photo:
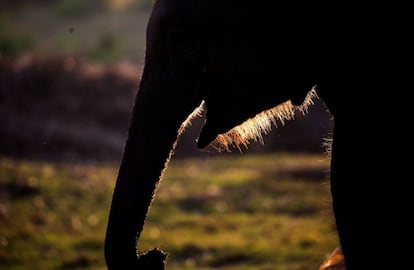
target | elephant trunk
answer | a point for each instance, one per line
(152, 136)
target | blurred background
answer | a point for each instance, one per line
(69, 73)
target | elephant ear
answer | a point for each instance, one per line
(247, 70)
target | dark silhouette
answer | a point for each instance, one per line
(243, 58)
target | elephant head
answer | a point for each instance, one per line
(247, 62)
(234, 61)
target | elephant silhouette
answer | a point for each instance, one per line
(260, 63)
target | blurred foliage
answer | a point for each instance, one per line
(145, 4)
(108, 49)
(101, 30)
(126, 4)
(71, 7)
(75, 7)
(62, 108)
(250, 212)
(14, 42)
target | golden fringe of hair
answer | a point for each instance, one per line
(196, 113)
(327, 145)
(254, 128)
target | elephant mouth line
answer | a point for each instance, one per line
(254, 128)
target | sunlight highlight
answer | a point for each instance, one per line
(254, 128)
(120, 4)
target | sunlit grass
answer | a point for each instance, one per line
(233, 212)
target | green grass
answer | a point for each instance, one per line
(14, 42)
(99, 31)
(230, 212)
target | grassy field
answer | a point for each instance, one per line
(228, 212)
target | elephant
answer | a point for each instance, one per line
(244, 62)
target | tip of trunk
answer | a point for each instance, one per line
(153, 259)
